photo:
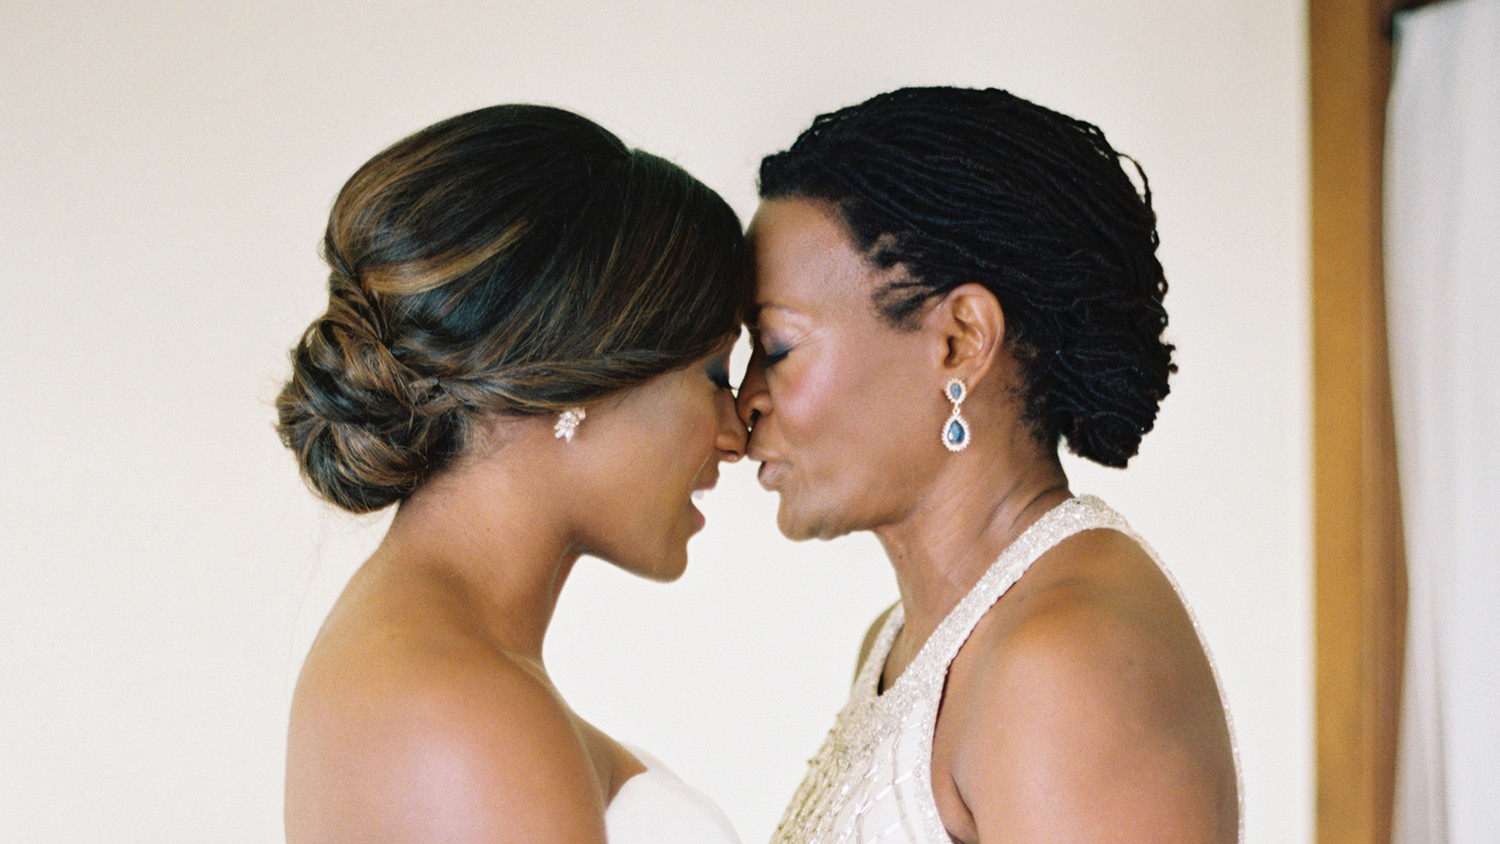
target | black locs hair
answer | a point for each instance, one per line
(958, 185)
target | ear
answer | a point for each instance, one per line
(971, 325)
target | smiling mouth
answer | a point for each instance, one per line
(702, 489)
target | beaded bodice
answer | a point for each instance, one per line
(871, 783)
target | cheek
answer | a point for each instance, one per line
(662, 459)
(860, 427)
(811, 406)
(849, 410)
(691, 441)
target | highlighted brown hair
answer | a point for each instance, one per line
(517, 259)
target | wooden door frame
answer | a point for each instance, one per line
(1360, 574)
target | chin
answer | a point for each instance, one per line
(800, 527)
(673, 564)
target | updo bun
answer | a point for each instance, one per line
(956, 186)
(517, 259)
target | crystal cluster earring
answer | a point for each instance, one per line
(567, 423)
(956, 429)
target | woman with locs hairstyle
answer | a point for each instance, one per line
(949, 283)
(525, 351)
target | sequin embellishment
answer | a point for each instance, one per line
(871, 783)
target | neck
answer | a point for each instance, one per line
(491, 546)
(978, 506)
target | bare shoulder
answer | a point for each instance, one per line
(403, 737)
(1085, 702)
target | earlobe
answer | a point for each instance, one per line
(567, 423)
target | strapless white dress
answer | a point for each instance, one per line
(657, 807)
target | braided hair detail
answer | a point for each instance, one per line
(954, 186)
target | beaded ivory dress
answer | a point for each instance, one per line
(872, 781)
(656, 807)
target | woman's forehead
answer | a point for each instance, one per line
(805, 260)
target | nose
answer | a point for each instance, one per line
(753, 400)
(732, 432)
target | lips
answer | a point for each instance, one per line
(699, 491)
(766, 475)
(703, 486)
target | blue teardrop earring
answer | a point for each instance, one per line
(956, 429)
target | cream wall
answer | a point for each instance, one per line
(166, 172)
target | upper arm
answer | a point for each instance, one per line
(471, 755)
(1087, 726)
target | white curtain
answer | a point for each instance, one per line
(1442, 240)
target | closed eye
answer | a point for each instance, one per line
(771, 353)
(718, 373)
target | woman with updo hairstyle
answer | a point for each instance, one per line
(949, 284)
(525, 351)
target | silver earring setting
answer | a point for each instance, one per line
(567, 423)
(956, 430)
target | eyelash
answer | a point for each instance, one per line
(718, 372)
(770, 357)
